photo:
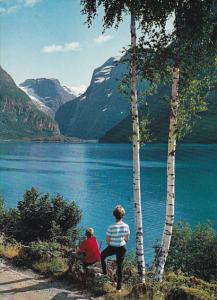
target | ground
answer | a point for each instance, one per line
(17, 284)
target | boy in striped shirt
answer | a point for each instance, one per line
(117, 236)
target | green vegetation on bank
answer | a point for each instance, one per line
(40, 232)
(41, 217)
(43, 230)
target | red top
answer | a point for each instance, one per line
(91, 249)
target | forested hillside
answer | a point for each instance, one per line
(18, 116)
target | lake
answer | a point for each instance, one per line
(99, 176)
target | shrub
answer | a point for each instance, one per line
(2, 211)
(53, 267)
(194, 252)
(42, 250)
(130, 272)
(41, 217)
(9, 251)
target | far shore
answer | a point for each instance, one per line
(50, 139)
(61, 139)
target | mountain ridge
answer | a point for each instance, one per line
(99, 108)
(47, 93)
(204, 129)
(19, 117)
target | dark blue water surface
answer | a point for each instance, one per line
(99, 176)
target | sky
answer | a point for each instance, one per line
(48, 38)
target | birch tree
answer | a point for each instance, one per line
(193, 40)
(136, 154)
(113, 15)
(185, 48)
(171, 154)
(184, 35)
(146, 14)
(187, 51)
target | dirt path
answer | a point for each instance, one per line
(26, 285)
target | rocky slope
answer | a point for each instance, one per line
(101, 107)
(47, 94)
(19, 117)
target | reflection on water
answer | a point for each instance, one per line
(99, 176)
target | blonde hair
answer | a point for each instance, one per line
(89, 232)
(118, 212)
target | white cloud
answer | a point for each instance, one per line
(31, 2)
(8, 10)
(103, 38)
(73, 46)
(52, 48)
(10, 6)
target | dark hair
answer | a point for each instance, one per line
(119, 212)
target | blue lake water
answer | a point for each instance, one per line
(99, 176)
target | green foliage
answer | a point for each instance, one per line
(42, 250)
(144, 126)
(190, 44)
(174, 287)
(2, 211)
(194, 252)
(42, 217)
(55, 266)
(18, 116)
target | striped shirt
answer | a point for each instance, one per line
(116, 232)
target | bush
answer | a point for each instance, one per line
(41, 250)
(53, 267)
(9, 251)
(41, 217)
(130, 272)
(194, 252)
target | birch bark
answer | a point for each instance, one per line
(136, 155)
(168, 227)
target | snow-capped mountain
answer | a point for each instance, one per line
(37, 101)
(18, 116)
(100, 108)
(75, 90)
(47, 94)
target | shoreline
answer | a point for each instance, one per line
(73, 140)
(54, 139)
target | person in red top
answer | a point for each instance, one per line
(89, 248)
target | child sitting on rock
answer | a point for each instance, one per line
(89, 248)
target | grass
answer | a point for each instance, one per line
(9, 251)
(173, 286)
(55, 266)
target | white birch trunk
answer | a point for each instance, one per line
(168, 227)
(136, 158)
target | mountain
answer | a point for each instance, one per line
(47, 94)
(101, 107)
(75, 90)
(19, 117)
(203, 131)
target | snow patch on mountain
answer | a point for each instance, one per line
(83, 98)
(117, 58)
(36, 100)
(99, 79)
(75, 90)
